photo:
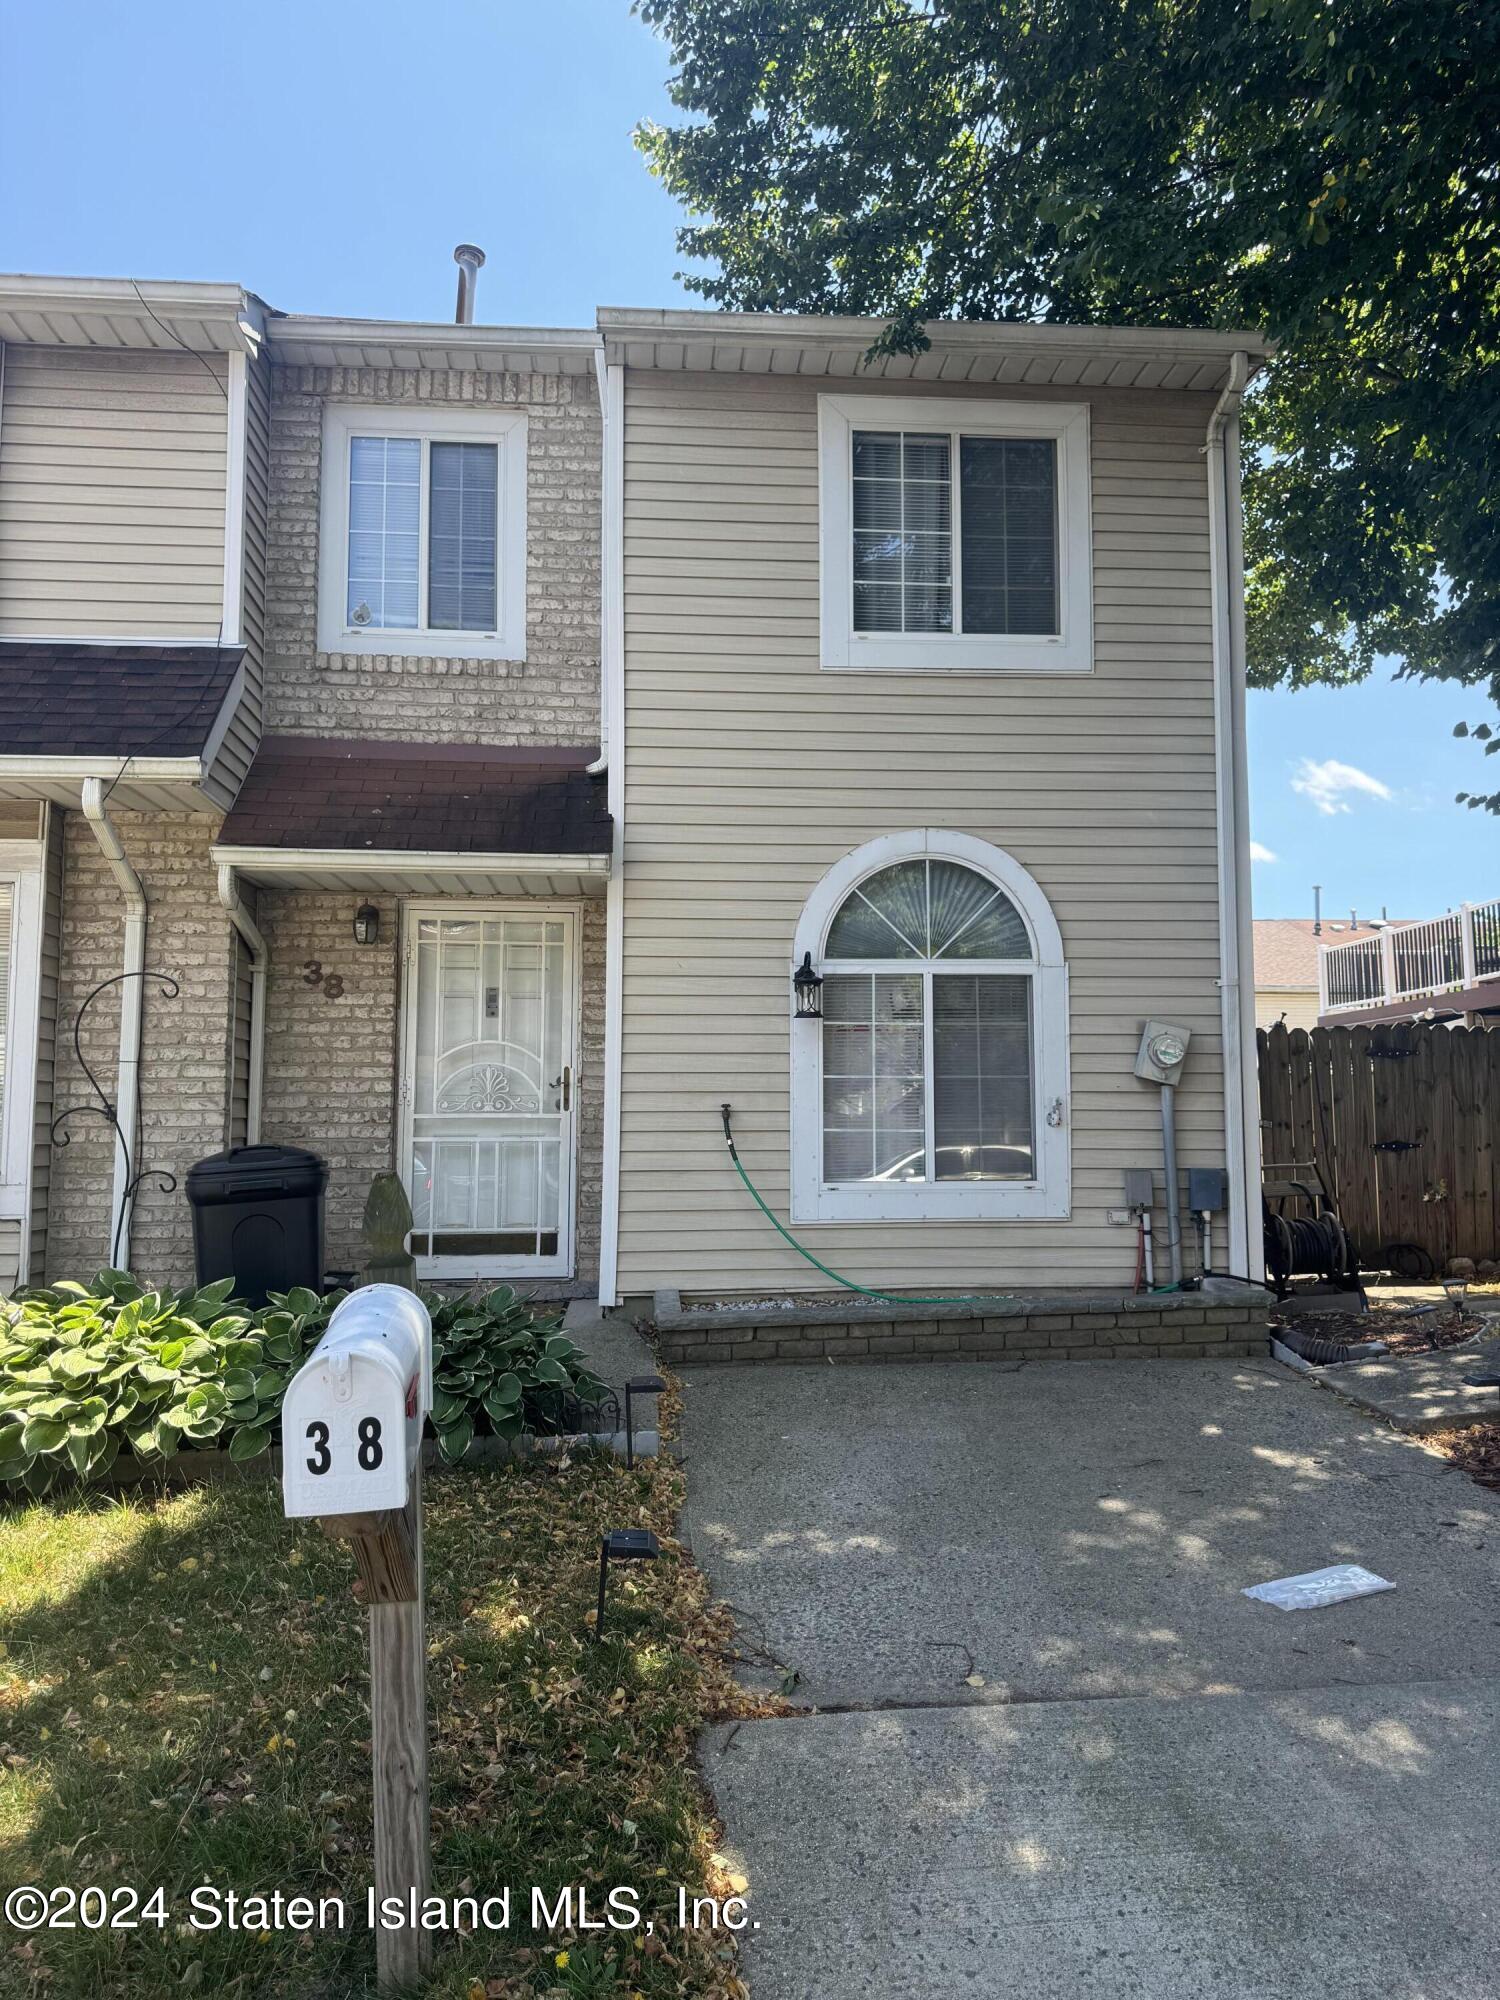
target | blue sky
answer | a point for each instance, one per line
(329, 155)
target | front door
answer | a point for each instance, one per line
(487, 1090)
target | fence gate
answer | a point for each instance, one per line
(1401, 1123)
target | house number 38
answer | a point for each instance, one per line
(371, 1451)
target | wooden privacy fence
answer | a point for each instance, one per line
(1400, 1121)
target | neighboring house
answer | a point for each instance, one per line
(1286, 971)
(479, 726)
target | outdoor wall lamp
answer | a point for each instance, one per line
(807, 989)
(622, 1545)
(367, 924)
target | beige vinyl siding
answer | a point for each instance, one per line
(112, 469)
(239, 1043)
(232, 758)
(1292, 1004)
(749, 772)
(47, 1026)
(10, 1255)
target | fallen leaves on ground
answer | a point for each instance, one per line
(219, 1654)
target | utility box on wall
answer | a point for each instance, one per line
(258, 1218)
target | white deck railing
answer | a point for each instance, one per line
(1418, 961)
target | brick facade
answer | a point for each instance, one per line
(550, 697)
(331, 1062)
(184, 1047)
(1172, 1326)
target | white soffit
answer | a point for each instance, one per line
(112, 313)
(564, 877)
(301, 340)
(1013, 353)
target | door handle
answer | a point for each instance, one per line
(566, 1081)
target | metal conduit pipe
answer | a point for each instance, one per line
(132, 988)
(1174, 1196)
(260, 965)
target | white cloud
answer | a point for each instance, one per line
(1329, 784)
(1259, 853)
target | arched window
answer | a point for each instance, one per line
(936, 1082)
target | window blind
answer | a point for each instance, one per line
(462, 515)
(385, 513)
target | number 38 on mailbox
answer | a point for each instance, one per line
(351, 1421)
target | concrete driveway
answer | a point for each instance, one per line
(1055, 1751)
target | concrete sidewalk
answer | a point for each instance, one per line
(1331, 1846)
(1066, 1756)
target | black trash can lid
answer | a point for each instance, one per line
(255, 1170)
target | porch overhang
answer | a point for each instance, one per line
(420, 819)
(146, 719)
(403, 872)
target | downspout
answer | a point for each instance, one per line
(612, 736)
(601, 375)
(260, 963)
(132, 987)
(1237, 1018)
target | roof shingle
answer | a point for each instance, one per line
(436, 798)
(118, 701)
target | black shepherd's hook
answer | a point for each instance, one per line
(106, 1110)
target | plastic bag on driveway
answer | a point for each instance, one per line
(1317, 1587)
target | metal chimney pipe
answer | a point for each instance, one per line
(1317, 909)
(470, 261)
(1353, 921)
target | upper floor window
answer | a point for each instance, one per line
(423, 532)
(955, 535)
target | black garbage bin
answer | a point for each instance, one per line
(258, 1218)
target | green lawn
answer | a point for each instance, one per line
(183, 1700)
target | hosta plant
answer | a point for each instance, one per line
(87, 1371)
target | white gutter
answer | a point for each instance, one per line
(132, 984)
(1236, 951)
(608, 512)
(612, 644)
(260, 964)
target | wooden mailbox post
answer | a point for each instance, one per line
(351, 1428)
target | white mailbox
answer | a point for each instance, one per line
(351, 1421)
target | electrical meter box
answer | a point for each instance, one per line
(352, 1417)
(1162, 1053)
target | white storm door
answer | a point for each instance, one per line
(489, 1090)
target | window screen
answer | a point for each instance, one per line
(981, 1077)
(1008, 529)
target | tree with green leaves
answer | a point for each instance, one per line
(1327, 171)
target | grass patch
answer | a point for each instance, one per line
(184, 1699)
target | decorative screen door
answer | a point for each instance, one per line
(488, 1089)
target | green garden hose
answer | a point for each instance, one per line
(865, 1291)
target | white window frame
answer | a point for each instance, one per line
(21, 870)
(433, 425)
(1070, 651)
(1049, 1193)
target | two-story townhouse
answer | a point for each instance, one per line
(132, 542)
(923, 677)
(931, 679)
(299, 678)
